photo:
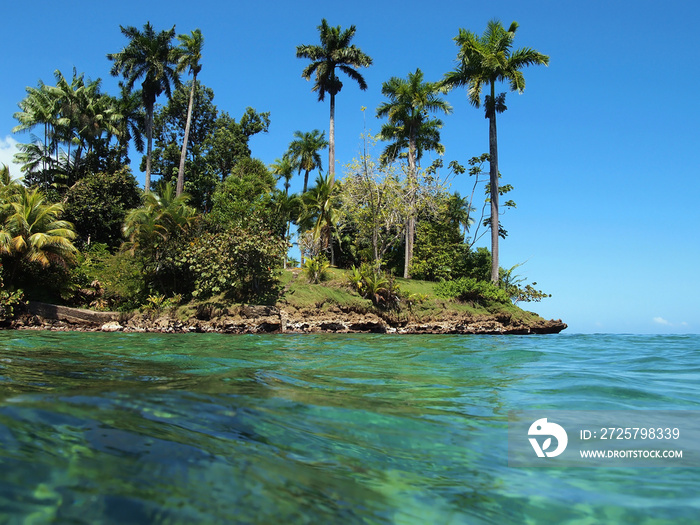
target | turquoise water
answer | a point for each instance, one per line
(144, 428)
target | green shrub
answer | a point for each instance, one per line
(467, 289)
(241, 262)
(316, 269)
(105, 280)
(376, 285)
(9, 299)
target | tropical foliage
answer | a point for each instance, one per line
(304, 153)
(241, 263)
(151, 58)
(32, 233)
(190, 57)
(214, 221)
(409, 127)
(335, 54)
(482, 61)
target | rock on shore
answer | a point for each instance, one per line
(249, 319)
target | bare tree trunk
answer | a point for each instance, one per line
(331, 143)
(149, 137)
(493, 156)
(181, 171)
(306, 180)
(411, 224)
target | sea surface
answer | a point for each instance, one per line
(211, 428)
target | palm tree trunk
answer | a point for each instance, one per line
(411, 224)
(331, 143)
(493, 162)
(149, 146)
(181, 172)
(306, 180)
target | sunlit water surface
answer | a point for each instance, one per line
(144, 428)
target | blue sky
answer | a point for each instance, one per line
(602, 148)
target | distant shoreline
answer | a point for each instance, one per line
(253, 319)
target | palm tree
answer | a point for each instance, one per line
(483, 61)
(85, 114)
(319, 212)
(407, 109)
(284, 169)
(191, 46)
(39, 107)
(334, 52)
(33, 232)
(304, 152)
(152, 57)
(285, 204)
(133, 120)
(162, 217)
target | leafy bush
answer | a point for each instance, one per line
(439, 253)
(105, 280)
(242, 262)
(158, 302)
(374, 284)
(467, 289)
(9, 299)
(98, 203)
(513, 285)
(316, 269)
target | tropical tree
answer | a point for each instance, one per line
(85, 115)
(285, 205)
(33, 232)
(228, 143)
(410, 101)
(483, 61)
(373, 202)
(191, 46)
(38, 108)
(98, 203)
(149, 56)
(79, 122)
(334, 52)
(320, 212)
(283, 169)
(162, 217)
(133, 122)
(304, 152)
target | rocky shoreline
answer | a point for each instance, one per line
(250, 319)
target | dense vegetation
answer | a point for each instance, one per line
(213, 221)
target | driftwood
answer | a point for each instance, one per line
(78, 316)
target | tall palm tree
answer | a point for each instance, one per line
(191, 46)
(334, 52)
(483, 61)
(304, 152)
(39, 107)
(410, 101)
(285, 204)
(32, 231)
(85, 115)
(319, 212)
(149, 56)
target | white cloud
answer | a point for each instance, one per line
(8, 148)
(666, 322)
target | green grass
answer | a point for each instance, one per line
(425, 305)
(295, 292)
